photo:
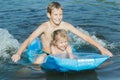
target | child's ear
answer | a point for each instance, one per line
(48, 15)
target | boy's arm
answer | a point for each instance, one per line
(16, 56)
(89, 39)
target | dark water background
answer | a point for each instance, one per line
(98, 18)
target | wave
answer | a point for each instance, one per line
(8, 44)
(79, 43)
(75, 40)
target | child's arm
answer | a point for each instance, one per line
(69, 51)
(53, 51)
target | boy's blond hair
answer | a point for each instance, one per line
(53, 5)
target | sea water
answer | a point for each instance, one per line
(96, 18)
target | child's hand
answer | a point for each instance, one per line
(15, 57)
(106, 52)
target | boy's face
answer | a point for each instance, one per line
(62, 43)
(56, 16)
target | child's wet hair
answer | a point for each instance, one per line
(59, 33)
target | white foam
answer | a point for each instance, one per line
(8, 45)
(75, 40)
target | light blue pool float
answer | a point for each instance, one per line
(84, 61)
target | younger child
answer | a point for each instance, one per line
(60, 44)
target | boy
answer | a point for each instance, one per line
(55, 15)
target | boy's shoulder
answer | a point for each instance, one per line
(44, 24)
(66, 23)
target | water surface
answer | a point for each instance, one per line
(97, 18)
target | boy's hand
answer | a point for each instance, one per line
(15, 57)
(106, 52)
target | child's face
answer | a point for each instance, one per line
(56, 16)
(62, 43)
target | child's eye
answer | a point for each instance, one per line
(55, 14)
(65, 41)
(60, 14)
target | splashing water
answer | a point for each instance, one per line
(8, 45)
(78, 42)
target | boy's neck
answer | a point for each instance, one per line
(53, 25)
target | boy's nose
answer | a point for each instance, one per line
(58, 16)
